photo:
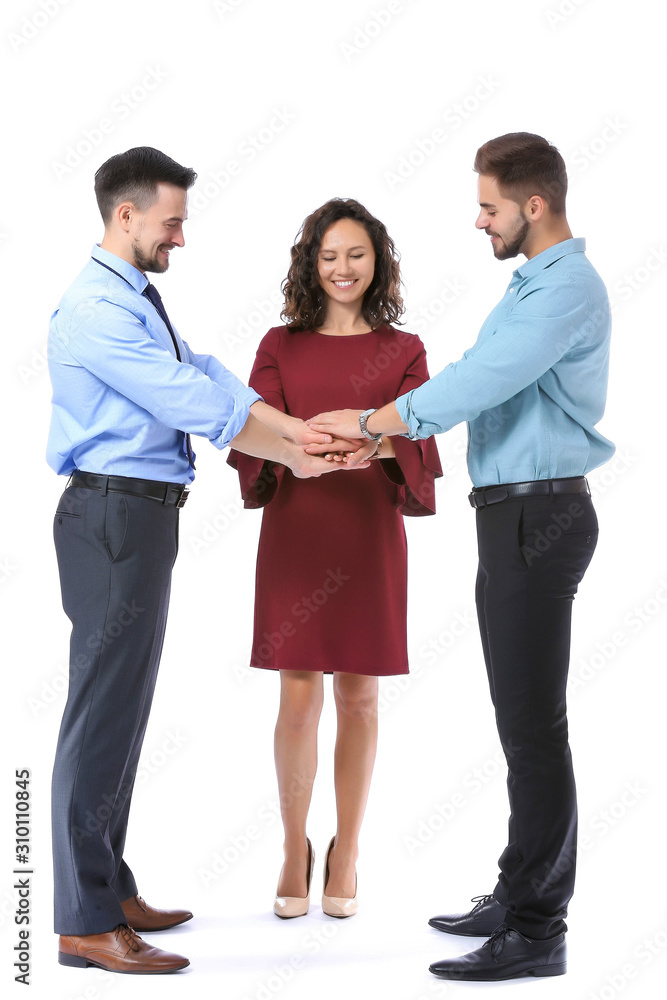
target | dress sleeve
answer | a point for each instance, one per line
(260, 479)
(417, 463)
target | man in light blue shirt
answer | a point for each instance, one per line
(127, 394)
(532, 389)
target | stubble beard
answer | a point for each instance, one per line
(512, 244)
(145, 263)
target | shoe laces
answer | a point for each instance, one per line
(128, 934)
(496, 942)
(480, 900)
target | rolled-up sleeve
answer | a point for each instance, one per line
(543, 325)
(119, 351)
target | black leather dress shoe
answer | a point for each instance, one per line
(506, 955)
(480, 922)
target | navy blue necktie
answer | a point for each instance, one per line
(151, 292)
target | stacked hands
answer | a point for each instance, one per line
(332, 437)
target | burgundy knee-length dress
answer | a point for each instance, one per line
(331, 581)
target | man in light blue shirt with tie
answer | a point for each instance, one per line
(128, 393)
(531, 389)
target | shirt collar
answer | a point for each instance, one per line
(548, 256)
(131, 274)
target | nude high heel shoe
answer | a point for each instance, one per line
(337, 906)
(296, 906)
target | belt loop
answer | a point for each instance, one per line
(105, 488)
(167, 487)
(551, 491)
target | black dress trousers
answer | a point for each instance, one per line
(115, 557)
(533, 553)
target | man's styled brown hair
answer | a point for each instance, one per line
(134, 176)
(524, 164)
(305, 305)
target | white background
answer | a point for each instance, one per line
(362, 86)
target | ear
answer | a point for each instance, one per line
(124, 215)
(535, 208)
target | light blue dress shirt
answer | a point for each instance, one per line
(122, 402)
(534, 385)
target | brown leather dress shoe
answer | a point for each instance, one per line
(143, 917)
(121, 950)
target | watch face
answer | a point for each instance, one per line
(363, 417)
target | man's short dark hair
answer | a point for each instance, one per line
(524, 164)
(134, 176)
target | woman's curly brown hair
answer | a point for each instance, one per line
(305, 305)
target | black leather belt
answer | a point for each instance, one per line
(483, 496)
(169, 494)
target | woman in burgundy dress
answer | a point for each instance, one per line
(332, 557)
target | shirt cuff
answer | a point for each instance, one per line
(242, 402)
(416, 429)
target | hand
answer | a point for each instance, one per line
(300, 433)
(305, 466)
(313, 466)
(359, 459)
(334, 446)
(352, 453)
(341, 423)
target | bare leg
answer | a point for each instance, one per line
(301, 699)
(356, 743)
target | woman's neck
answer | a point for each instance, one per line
(343, 321)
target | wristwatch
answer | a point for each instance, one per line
(363, 417)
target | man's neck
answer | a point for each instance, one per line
(548, 238)
(118, 249)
